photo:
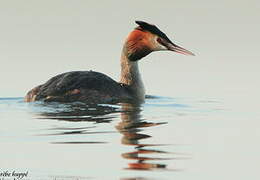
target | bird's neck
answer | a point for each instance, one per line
(130, 76)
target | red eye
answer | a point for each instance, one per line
(159, 40)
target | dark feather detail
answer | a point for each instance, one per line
(84, 86)
(153, 29)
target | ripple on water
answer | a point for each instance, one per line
(131, 128)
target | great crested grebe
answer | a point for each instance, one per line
(95, 87)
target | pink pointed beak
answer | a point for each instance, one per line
(178, 49)
(173, 47)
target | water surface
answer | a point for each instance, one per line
(164, 138)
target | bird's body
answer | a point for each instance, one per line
(95, 87)
(84, 86)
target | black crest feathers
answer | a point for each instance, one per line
(153, 29)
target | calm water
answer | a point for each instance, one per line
(164, 138)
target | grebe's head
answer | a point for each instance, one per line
(147, 38)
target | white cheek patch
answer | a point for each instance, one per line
(161, 47)
(157, 45)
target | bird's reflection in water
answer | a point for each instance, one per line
(73, 112)
(131, 126)
(78, 112)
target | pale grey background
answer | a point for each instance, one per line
(40, 39)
